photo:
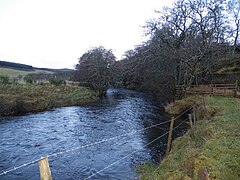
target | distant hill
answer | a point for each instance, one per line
(18, 70)
(55, 70)
(17, 66)
(24, 67)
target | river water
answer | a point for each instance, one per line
(29, 137)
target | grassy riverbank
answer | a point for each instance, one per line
(17, 99)
(208, 151)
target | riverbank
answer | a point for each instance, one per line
(19, 99)
(210, 150)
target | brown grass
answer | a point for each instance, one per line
(17, 99)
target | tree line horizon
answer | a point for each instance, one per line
(191, 38)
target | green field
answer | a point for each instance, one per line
(208, 151)
(12, 73)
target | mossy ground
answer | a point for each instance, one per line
(18, 99)
(211, 150)
(181, 105)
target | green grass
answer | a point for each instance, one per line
(18, 99)
(179, 106)
(211, 150)
(12, 73)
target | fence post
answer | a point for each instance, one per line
(194, 115)
(169, 137)
(191, 125)
(236, 86)
(190, 120)
(45, 173)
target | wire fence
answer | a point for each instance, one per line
(118, 161)
(96, 143)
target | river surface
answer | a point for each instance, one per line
(26, 138)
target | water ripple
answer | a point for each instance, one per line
(29, 137)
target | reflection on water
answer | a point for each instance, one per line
(30, 137)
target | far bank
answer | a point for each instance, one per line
(19, 99)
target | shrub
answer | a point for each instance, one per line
(29, 80)
(56, 81)
(4, 79)
(2, 106)
(19, 107)
(15, 81)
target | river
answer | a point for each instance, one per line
(29, 137)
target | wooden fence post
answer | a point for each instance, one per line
(191, 125)
(190, 120)
(170, 137)
(194, 115)
(212, 88)
(45, 173)
(236, 84)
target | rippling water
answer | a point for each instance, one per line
(26, 138)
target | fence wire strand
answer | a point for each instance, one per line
(91, 144)
(118, 161)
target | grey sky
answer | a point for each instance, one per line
(54, 33)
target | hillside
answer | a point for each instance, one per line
(17, 70)
(13, 73)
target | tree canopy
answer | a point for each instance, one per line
(188, 40)
(95, 69)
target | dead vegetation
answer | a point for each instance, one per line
(18, 99)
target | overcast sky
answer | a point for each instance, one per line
(54, 33)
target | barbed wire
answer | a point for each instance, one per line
(115, 137)
(21, 166)
(118, 161)
(88, 145)
(105, 140)
(173, 130)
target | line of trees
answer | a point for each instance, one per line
(191, 38)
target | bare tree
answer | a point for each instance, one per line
(193, 30)
(234, 9)
(95, 69)
(187, 40)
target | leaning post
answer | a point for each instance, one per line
(170, 136)
(45, 173)
(190, 120)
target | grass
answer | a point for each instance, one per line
(208, 151)
(231, 69)
(181, 105)
(12, 73)
(16, 99)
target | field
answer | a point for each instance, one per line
(12, 73)
(208, 151)
(18, 99)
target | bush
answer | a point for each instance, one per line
(19, 107)
(4, 79)
(56, 81)
(2, 106)
(29, 80)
